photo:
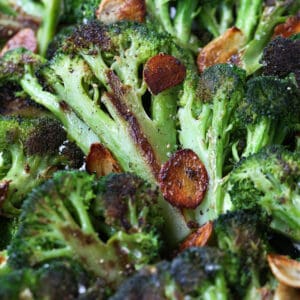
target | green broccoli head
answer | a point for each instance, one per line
(245, 233)
(128, 203)
(30, 154)
(197, 272)
(280, 58)
(269, 112)
(56, 223)
(58, 279)
(14, 63)
(221, 81)
(269, 180)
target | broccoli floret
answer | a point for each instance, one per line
(246, 234)
(30, 153)
(56, 223)
(61, 279)
(270, 110)
(127, 204)
(19, 67)
(77, 11)
(281, 57)
(206, 122)
(199, 273)
(270, 180)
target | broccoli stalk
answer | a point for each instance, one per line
(51, 12)
(270, 110)
(206, 123)
(56, 223)
(179, 25)
(270, 180)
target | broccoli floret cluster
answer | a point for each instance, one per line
(149, 149)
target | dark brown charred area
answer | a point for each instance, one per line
(122, 189)
(93, 33)
(76, 233)
(163, 71)
(46, 138)
(119, 92)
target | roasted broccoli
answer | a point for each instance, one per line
(97, 74)
(269, 180)
(29, 154)
(281, 57)
(206, 120)
(56, 223)
(245, 233)
(19, 67)
(60, 279)
(271, 109)
(197, 273)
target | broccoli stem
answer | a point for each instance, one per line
(161, 10)
(226, 17)
(185, 12)
(208, 20)
(254, 49)
(258, 136)
(217, 291)
(76, 129)
(247, 16)
(49, 22)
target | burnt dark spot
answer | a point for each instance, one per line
(64, 106)
(27, 168)
(76, 233)
(119, 92)
(46, 138)
(92, 34)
